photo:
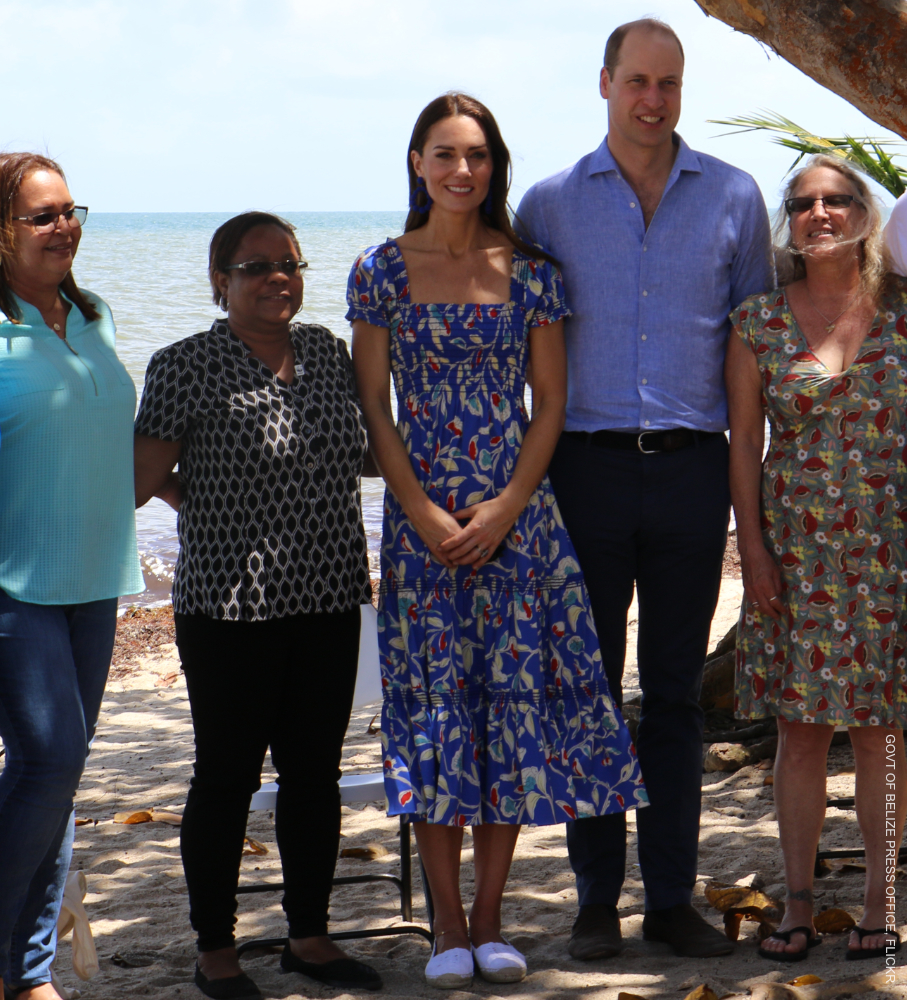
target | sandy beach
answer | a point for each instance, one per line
(138, 905)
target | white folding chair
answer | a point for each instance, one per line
(355, 788)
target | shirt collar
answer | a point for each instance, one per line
(603, 162)
(30, 316)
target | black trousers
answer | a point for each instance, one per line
(286, 683)
(659, 521)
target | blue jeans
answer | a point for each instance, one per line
(53, 666)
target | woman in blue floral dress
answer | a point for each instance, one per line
(496, 708)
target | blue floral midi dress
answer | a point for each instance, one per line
(496, 707)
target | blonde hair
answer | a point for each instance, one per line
(790, 260)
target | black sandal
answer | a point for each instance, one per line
(855, 955)
(785, 936)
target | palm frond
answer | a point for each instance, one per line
(868, 154)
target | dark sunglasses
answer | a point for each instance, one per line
(258, 268)
(46, 221)
(796, 205)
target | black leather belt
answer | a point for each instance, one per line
(647, 442)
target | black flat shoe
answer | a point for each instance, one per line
(853, 955)
(231, 988)
(785, 936)
(342, 973)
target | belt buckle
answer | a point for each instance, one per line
(646, 451)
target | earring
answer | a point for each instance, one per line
(489, 201)
(225, 306)
(420, 190)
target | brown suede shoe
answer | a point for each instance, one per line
(686, 931)
(596, 933)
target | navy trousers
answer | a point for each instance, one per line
(659, 521)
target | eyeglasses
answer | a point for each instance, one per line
(834, 201)
(258, 268)
(45, 222)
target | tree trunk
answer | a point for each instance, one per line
(855, 48)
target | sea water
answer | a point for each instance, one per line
(152, 270)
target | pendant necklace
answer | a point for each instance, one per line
(830, 323)
(57, 327)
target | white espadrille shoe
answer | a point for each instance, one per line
(500, 962)
(451, 970)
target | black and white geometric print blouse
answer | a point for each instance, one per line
(270, 523)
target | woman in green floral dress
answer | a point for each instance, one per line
(820, 527)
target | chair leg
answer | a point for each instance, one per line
(406, 872)
(429, 903)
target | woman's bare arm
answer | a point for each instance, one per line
(761, 574)
(154, 476)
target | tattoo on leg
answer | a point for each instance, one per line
(801, 895)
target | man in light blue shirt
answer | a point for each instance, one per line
(657, 244)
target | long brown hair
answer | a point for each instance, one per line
(14, 168)
(449, 106)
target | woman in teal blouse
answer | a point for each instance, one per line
(67, 548)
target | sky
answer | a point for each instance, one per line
(308, 105)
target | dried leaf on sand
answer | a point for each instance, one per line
(834, 921)
(162, 816)
(371, 852)
(146, 816)
(701, 993)
(251, 846)
(739, 903)
(734, 918)
(737, 897)
(141, 816)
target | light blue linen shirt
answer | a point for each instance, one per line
(67, 495)
(647, 337)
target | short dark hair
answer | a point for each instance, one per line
(14, 169)
(228, 236)
(616, 40)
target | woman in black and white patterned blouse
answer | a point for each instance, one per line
(261, 414)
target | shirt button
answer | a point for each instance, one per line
(645, 294)
(643, 337)
(310, 465)
(632, 204)
(647, 423)
(644, 249)
(645, 381)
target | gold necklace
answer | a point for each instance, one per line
(830, 323)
